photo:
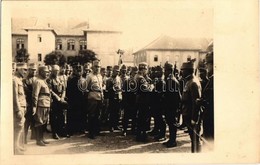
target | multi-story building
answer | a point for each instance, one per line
(174, 50)
(42, 36)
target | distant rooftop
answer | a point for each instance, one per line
(72, 26)
(165, 42)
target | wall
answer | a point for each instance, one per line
(105, 44)
(35, 47)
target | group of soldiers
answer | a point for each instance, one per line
(84, 99)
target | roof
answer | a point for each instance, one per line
(169, 43)
(72, 27)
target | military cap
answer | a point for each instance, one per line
(55, 67)
(209, 57)
(21, 65)
(97, 63)
(143, 65)
(129, 68)
(109, 68)
(103, 69)
(33, 66)
(168, 65)
(188, 65)
(123, 67)
(44, 68)
(116, 68)
(134, 69)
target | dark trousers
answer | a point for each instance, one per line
(94, 108)
(130, 112)
(74, 119)
(159, 123)
(29, 123)
(114, 107)
(57, 119)
(170, 117)
(143, 119)
(194, 132)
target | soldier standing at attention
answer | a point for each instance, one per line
(190, 110)
(28, 88)
(142, 101)
(171, 103)
(124, 77)
(41, 104)
(93, 85)
(114, 89)
(57, 119)
(19, 107)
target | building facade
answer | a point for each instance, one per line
(174, 50)
(42, 37)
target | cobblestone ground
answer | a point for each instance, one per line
(108, 143)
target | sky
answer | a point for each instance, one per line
(140, 22)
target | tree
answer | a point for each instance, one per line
(83, 57)
(55, 58)
(22, 55)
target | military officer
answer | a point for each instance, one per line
(203, 75)
(190, 110)
(28, 88)
(57, 118)
(171, 103)
(93, 85)
(19, 107)
(41, 97)
(114, 89)
(142, 101)
(157, 104)
(208, 101)
(130, 110)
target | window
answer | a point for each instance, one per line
(58, 44)
(39, 38)
(71, 44)
(19, 43)
(39, 57)
(155, 58)
(82, 45)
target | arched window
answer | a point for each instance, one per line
(71, 45)
(58, 44)
(82, 44)
(20, 43)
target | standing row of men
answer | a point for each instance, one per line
(88, 97)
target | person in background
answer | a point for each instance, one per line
(28, 88)
(19, 107)
(41, 97)
(190, 109)
(114, 89)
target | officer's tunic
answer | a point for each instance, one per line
(190, 110)
(41, 100)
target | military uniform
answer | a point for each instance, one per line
(114, 89)
(171, 104)
(28, 88)
(41, 97)
(57, 118)
(142, 101)
(129, 96)
(19, 109)
(93, 85)
(190, 110)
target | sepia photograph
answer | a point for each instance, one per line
(112, 80)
